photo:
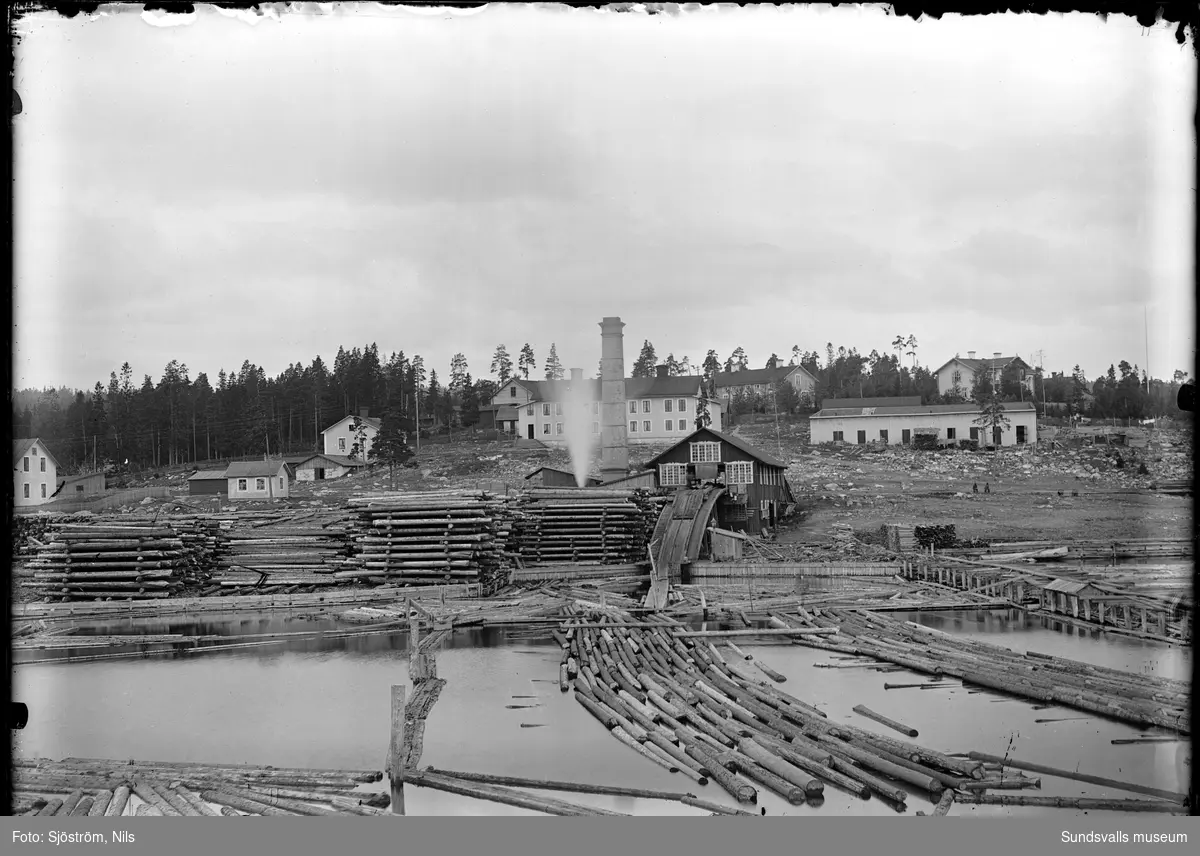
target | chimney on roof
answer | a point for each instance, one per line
(996, 354)
(614, 449)
(660, 371)
(576, 374)
(970, 355)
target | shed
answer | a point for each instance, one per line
(79, 486)
(554, 477)
(320, 467)
(208, 483)
(756, 490)
(644, 479)
(258, 480)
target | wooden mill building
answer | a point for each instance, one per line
(756, 492)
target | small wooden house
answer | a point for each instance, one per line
(322, 467)
(77, 487)
(258, 480)
(553, 477)
(208, 483)
(757, 493)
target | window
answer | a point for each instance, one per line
(645, 405)
(281, 482)
(260, 484)
(545, 427)
(79, 488)
(341, 446)
(595, 427)
(883, 434)
(739, 472)
(974, 433)
(43, 491)
(838, 437)
(512, 392)
(545, 409)
(42, 464)
(906, 436)
(683, 405)
(529, 410)
(241, 484)
(26, 464)
(633, 407)
(706, 452)
(633, 427)
(26, 490)
(950, 432)
(33, 451)
(667, 405)
(957, 377)
(862, 437)
(682, 425)
(1020, 433)
(669, 422)
(558, 427)
(672, 475)
(646, 426)
(595, 407)
(557, 409)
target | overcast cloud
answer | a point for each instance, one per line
(218, 191)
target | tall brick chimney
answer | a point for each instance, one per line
(614, 450)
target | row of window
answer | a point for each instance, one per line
(42, 461)
(736, 472)
(906, 435)
(27, 491)
(259, 484)
(670, 405)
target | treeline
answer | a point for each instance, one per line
(179, 419)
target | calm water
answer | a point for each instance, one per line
(325, 703)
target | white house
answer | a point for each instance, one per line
(960, 372)
(841, 421)
(657, 408)
(257, 480)
(321, 467)
(340, 439)
(35, 472)
(762, 381)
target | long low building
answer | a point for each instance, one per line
(849, 421)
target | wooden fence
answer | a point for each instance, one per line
(105, 502)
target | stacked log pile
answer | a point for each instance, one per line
(422, 538)
(938, 537)
(291, 555)
(587, 527)
(98, 560)
(103, 788)
(681, 704)
(1137, 698)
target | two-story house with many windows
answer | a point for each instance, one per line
(657, 408)
(958, 374)
(35, 472)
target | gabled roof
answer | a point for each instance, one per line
(736, 442)
(1066, 586)
(975, 365)
(746, 377)
(207, 475)
(889, 401)
(253, 469)
(369, 420)
(914, 410)
(21, 446)
(340, 460)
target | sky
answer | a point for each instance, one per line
(215, 188)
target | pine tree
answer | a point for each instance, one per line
(703, 420)
(711, 366)
(526, 361)
(502, 365)
(554, 369)
(458, 374)
(646, 361)
(391, 442)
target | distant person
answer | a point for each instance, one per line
(987, 488)
(975, 487)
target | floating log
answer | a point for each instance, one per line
(780, 767)
(1086, 804)
(495, 793)
(907, 731)
(245, 804)
(1168, 796)
(120, 800)
(889, 769)
(194, 801)
(146, 792)
(100, 804)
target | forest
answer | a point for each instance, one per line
(180, 419)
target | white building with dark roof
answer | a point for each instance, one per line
(339, 437)
(35, 472)
(960, 372)
(258, 480)
(843, 420)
